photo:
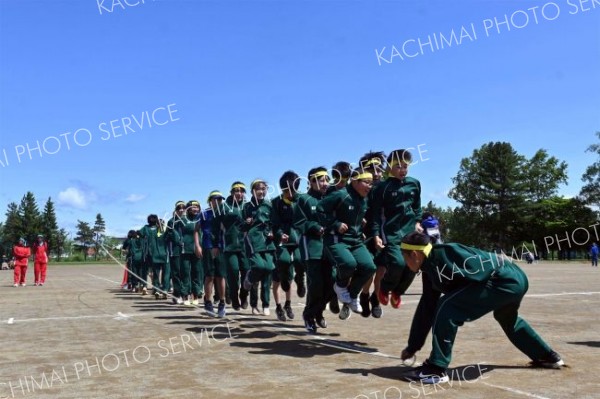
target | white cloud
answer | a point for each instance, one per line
(135, 197)
(72, 197)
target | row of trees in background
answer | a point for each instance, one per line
(510, 202)
(25, 220)
(507, 201)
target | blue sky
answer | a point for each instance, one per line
(248, 89)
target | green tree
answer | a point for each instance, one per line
(492, 185)
(84, 237)
(590, 192)
(50, 226)
(99, 229)
(12, 228)
(61, 243)
(30, 217)
(543, 175)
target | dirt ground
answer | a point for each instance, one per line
(80, 336)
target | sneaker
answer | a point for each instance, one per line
(383, 297)
(41, 284)
(244, 303)
(144, 291)
(342, 293)
(209, 308)
(280, 313)
(187, 302)
(227, 298)
(175, 300)
(301, 289)
(23, 284)
(221, 312)
(429, 374)
(355, 305)
(15, 285)
(376, 309)
(345, 312)
(164, 296)
(157, 295)
(35, 284)
(396, 300)
(309, 325)
(288, 311)
(179, 301)
(255, 311)
(266, 312)
(247, 283)
(334, 306)
(321, 322)
(195, 302)
(364, 303)
(551, 361)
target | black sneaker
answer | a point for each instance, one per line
(288, 310)
(334, 306)
(364, 304)
(428, 374)
(227, 297)
(244, 303)
(301, 288)
(321, 322)
(280, 313)
(376, 309)
(310, 325)
(550, 361)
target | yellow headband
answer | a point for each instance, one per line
(415, 247)
(363, 176)
(372, 161)
(239, 185)
(318, 174)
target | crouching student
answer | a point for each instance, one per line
(341, 213)
(474, 283)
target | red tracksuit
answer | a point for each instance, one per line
(41, 262)
(21, 259)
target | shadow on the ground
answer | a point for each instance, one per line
(291, 347)
(592, 344)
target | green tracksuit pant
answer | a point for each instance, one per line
(261, 268)
(501, 295)
(398, 277)
(354, 265)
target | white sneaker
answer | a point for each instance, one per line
(266, 312)
(23, 284)
(355, 305)
(179, 301)
(342, 293)
(195, 302)
(15, 285)
(255, 311)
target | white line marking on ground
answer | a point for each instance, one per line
(561, 294)
(513, 390)
(105, 279)
(11, 320)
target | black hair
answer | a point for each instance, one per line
(131, 234)
(152, 220)
(341, 171)
(401, 155)
(314, 171)
(371, 155)
(416, 238)
(289, 180)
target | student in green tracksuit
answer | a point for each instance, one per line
(192, 274)
(136, 249)
(174, 239)
(156, 256)
(374, 163)
(341, 214)
(395, 212)
(286, 237)
(260, 248)
(306, 221)
(227, 229)
(127, 247)
(473, 283)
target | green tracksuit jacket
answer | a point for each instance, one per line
(257, 232)
(227, 226)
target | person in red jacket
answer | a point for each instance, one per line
(22, 253)
(40, 252)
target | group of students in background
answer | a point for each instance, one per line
(357, 236)
(22, 252)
